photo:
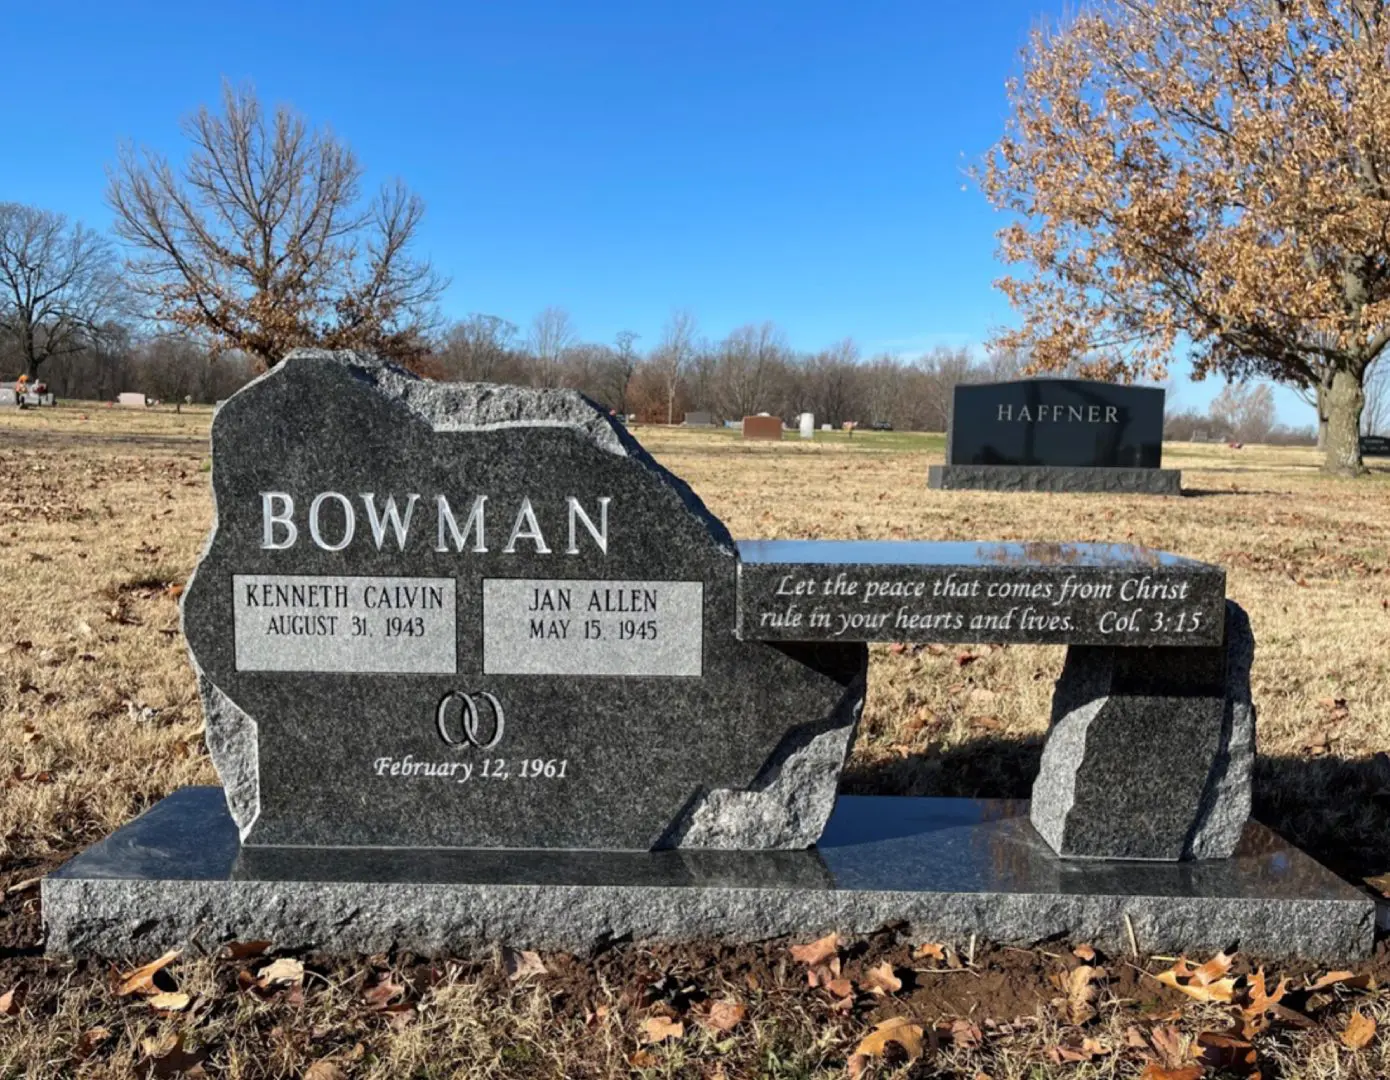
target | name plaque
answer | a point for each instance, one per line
(567, 626)
(371, 625)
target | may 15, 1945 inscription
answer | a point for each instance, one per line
(572, 627)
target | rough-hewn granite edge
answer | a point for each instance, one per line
(789, 804)
(1054, 478)
(1226, 802)
(128, 918)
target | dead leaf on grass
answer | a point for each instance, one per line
(898, 1030)
(1168, 1042)
(167, 1057)
(929, 951)
(817, 952)
(325, 1070)
(89, 1043)
(521, 964)
(170, 1002)
(380, 996)
(1089, 1050)
(1342, 978)
(1154, 1071)
(723, 1016)
(1226, 1053)
(657, 1029)
(286, 971)
(881, 980)
(1359, 1032)
(1205, 983)
(643, 1059)
(12, 999)
(1084, 952)
(141, 980)
(965, 1034)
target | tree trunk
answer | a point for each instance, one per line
(33, 365)
(1345, 399)
(1321, 405)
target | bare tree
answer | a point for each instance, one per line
(1247, 410)
(747, 365)
(1375, 417)
(56, 284)
(832, 382)
(674, 354)
(263, 240)
(622, 362)
(480, 348)
(552, 332)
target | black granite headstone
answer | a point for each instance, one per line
(1058, 422)
(443, 615)
(1056, 435)
(1375, 445)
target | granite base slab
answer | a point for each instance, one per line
(944, 868)
(1054, 478)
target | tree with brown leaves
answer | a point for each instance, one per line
(263, 241)
(1210, 170)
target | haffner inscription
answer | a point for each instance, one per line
(332, 523)
(1082, 414)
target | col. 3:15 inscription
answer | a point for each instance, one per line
(459, 722)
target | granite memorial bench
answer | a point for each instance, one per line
(476, 668)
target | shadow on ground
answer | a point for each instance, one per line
(1336, 809)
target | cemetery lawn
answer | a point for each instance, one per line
(102, 516)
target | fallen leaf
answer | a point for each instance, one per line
(1342, 978)
(724, 1015)
(141, 980)
(1225, 1053)
(1168, 1042)
(1359, 1032)
(881, 980)
(12, 999)
(285, 971)
(1203, 983)
(1084, 952)
(898, 1030)
(325, 1070)
(382, 994)
(841, 988)
(521, 964)
(929, 951)
(170, 1002)
(246, 950)
(817, 952)
(167, 1058)
(660, 1028)
(1154, 1071)
(965, 1034)
(643, 1059)
(90, 1041)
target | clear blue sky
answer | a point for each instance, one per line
(802, 161)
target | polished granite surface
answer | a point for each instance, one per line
(964, 553)
(872, 844)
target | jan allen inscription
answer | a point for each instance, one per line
(573, 627)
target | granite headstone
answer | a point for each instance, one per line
(1055, 434)
(446, 615)
(762, 427)
(1375, 445)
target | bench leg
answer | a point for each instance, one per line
(1150, 751)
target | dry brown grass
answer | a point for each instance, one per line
(101, 511)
